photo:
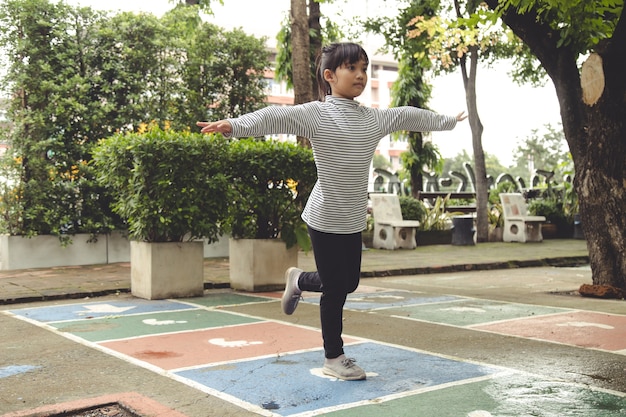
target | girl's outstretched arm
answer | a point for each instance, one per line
(461, 116)
(221, 126)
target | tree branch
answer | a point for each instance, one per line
(539, 37)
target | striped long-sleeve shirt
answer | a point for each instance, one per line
(344, 136)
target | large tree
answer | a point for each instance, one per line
(461, 38)
(593, 110)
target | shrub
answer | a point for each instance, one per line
(169, 186)
(412, 208)
(271, 182)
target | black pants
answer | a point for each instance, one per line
(338, 260)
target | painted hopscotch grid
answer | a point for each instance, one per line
(586, 329)
(227, 354)
(261, 350)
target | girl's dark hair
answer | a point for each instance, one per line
(332, 57)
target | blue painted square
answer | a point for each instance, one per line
(293, 384)
(98, 309)
(11, 370)
(364, 301)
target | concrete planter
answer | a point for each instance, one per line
(260, 264)
(166, 270)
(45, 251)
(434, 237)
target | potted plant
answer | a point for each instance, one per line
(172, 189)
(271, 183)
(495, 216)
(436, 224)
(556, 224)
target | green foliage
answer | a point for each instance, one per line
(427, 158)
(272, 181)
(52, 189)
(581, 25)
(411, 208)
(380, 162)
(169, 186)
(284, 67)
(436, 217)
(552, 210)
(547, 151)
(75, 76)
(411, 87)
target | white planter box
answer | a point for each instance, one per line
(44, 251)
(166, 270)
(260, 264)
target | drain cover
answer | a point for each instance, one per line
(107, 410)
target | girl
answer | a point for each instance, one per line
(344, 136)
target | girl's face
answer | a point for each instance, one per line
(349, 80)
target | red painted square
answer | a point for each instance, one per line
(179, 350)
(578, 328)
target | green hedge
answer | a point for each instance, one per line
(168, 186)
(272, 181)
(171, 186)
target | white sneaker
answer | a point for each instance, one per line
(292, 293)
(343, 368)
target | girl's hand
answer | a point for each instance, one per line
(221, 126)
(461, 116)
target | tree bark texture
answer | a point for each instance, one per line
(315, 42)
(300, 55)
(596, 135)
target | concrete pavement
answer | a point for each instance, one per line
(489, 330)
(30, 285)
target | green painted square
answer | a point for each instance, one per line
(506, 395)
(226, 299)
(121, 327)
(471, 312)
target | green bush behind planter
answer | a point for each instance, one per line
(169, 186)
(272, 181)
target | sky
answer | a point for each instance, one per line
(509, 113)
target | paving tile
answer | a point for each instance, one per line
(220, 299)
(509, 394)
(579, 328)
(365, 300)
(298, 385)
(97, 309)
(230, 343)
(130, 326)
(467, 312)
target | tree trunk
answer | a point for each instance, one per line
(595, 134)
(416, 143)
(302, 85)
(315, 42)
(480, 171)
(600, 183)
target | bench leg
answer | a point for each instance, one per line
(514, 231)
(533, 232)
(383, 237)
(404, 237)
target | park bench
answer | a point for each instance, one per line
(391, 231)
(518, 225)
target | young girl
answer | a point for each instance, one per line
(344, 136)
